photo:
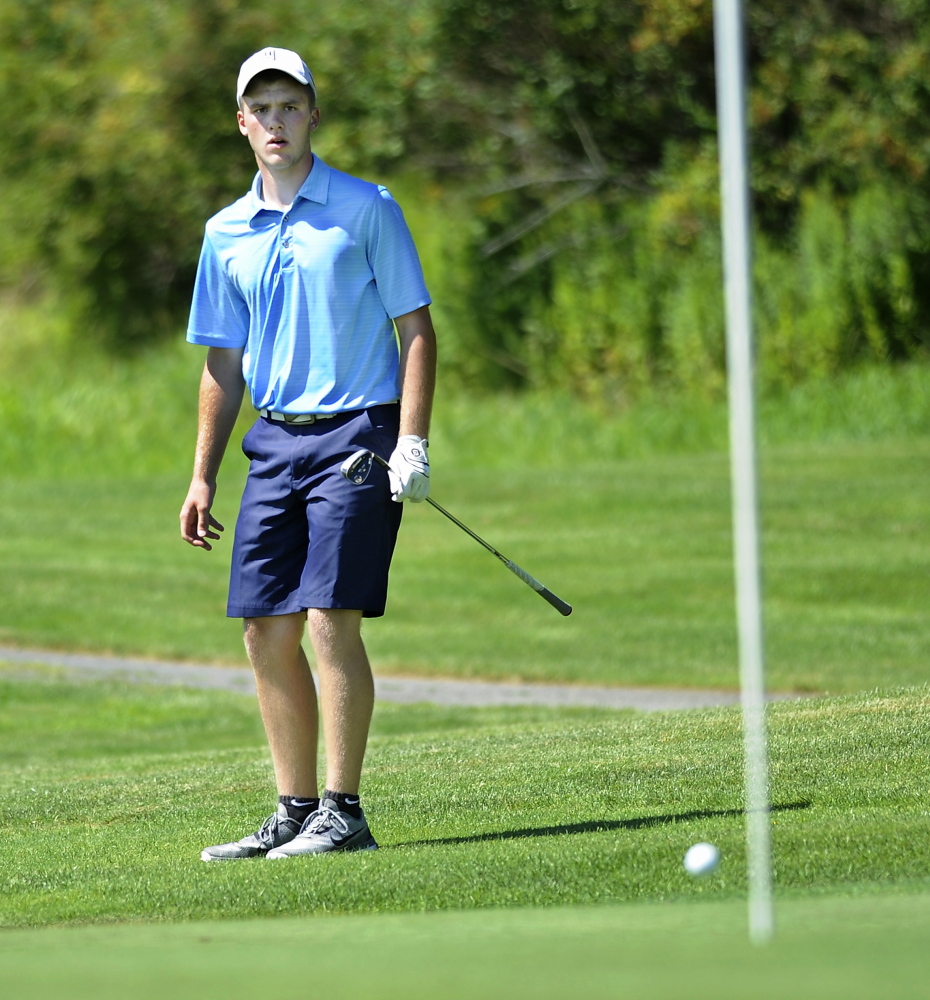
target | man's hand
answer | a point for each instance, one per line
(198, 526)
(409, 472)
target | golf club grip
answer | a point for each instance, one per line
(544, 592)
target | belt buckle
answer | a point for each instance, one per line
(300, 418)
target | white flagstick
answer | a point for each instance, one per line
(734, 185)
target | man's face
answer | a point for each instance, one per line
(277, 120)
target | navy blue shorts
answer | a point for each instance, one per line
(306, 537)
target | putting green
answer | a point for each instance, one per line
(825, 948)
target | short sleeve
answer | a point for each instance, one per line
(219, 315)
(393, 259)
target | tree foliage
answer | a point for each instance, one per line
(572, 141)
(123, 141)
(612, 104)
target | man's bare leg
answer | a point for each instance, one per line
(347, 693)
(287, 700)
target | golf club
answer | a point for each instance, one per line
(356, 469)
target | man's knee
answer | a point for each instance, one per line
(334, 629)
(334, 620)
(273, 636)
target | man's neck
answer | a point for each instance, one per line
(279, 188)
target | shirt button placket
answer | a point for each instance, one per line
(287, 260)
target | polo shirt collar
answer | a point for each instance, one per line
(314, 188)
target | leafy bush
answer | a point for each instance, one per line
(557, 160)
(597, 257)
(124, 140)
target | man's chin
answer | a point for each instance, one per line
(282, 160)
(276, 161)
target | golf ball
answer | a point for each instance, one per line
(701, 859)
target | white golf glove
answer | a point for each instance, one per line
(409, 472)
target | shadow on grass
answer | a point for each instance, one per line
(600, 826)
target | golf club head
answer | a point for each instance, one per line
(356, 467)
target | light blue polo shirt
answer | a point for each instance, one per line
(310, 293)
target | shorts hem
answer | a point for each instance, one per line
(271, 611)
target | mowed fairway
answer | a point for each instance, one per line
(108, 793)
(640, 547)
(828, 948)
(525, 852)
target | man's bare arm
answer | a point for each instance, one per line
(221, 388)
(417, 371)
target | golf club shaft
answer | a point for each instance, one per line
(544, 592)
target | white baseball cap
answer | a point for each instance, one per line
(282, 60)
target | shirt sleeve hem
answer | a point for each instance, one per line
(212, 340)
(425, 301)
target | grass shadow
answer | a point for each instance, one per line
(599, 826)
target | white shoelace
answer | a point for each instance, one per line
(323, 819)
(266, 835)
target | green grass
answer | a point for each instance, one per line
(641, 547)
(827, 948)
(544, 846)
(135, 416)
(104, 820)
(626, 515)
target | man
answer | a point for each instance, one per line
(300, 287)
